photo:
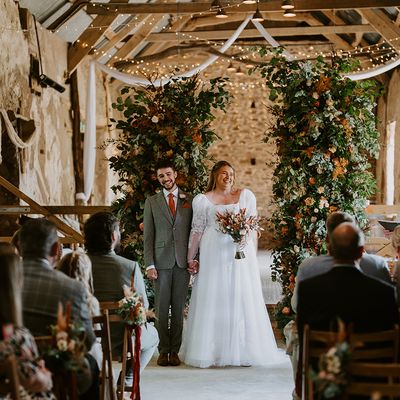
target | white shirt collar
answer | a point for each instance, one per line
(175, 192)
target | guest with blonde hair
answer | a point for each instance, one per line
(77, 265)
(14, 338)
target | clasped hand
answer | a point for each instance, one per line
(193, 267)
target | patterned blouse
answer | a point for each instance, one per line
(22, 344)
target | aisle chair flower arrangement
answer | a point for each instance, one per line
(331, 378)
(132, 310)
(66, 352)
(238, 226)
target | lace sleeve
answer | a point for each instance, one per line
(199, 223)
(248, 201)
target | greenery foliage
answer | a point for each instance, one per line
(164, 122)
(325, 132)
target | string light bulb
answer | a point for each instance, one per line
(287, 4)
(289, 13)
(221, 14)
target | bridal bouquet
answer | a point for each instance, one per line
(238, 225)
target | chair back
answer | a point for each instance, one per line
(101, 328)
(113, 318)
(9, 380)
(315, 343)
(65, 385)
(362, 377)
(382, 346)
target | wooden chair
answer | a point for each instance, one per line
(362, 376)
(382, 346)
(9, 380)
(101, 328)
(65, 385)
(315, 343)
(114, 318)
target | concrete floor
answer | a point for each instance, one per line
(241, 383)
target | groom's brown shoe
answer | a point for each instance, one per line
(174, 360)
(162, 360)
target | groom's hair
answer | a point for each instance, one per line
(165, 164)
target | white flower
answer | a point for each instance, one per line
(316, 210)
(182, 196)
(321, 190)
(309, 82)
(320, 170)
(329, 102)
(315, 95)
(154, 119)
(332, 149)
(62, 345)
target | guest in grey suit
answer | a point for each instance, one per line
(110, 273)
(44, 288)
(167, 221)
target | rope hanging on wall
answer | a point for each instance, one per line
(15, 139)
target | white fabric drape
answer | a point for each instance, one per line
(89, 145)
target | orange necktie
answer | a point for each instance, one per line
(171, 204)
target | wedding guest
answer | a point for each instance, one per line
(370, 264)
(396, 268)
(167, 219)
(14, 338)
(45, 287)
(77, 265)
(110, 273)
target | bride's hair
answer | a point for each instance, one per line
(212, 180)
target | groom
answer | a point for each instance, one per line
(167, 221)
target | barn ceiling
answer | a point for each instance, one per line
(130, 35)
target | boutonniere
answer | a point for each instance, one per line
(185, 204)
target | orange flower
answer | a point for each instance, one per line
(311, 181)
(284, 230)
(286, 310)
(197, 138)
(309, 151)
(169, 153)
(333, 209)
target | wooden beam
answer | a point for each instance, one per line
(83, 45)
(136, 39)
(61, 225)
(383, 25)
(154, 48)
(249, 33)
(117, 37)
(272, 5)
(77, 210)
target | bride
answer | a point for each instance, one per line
(227, 323)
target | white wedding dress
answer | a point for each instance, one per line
(228, 324)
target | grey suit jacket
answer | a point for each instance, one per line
(370, 264)
(43, 289)
(166, 238)
(110, 273)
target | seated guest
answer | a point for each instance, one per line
(345, 292)
(14, 338)
(44, 288)
(370, 264)
(77, 265)
(111, 272)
